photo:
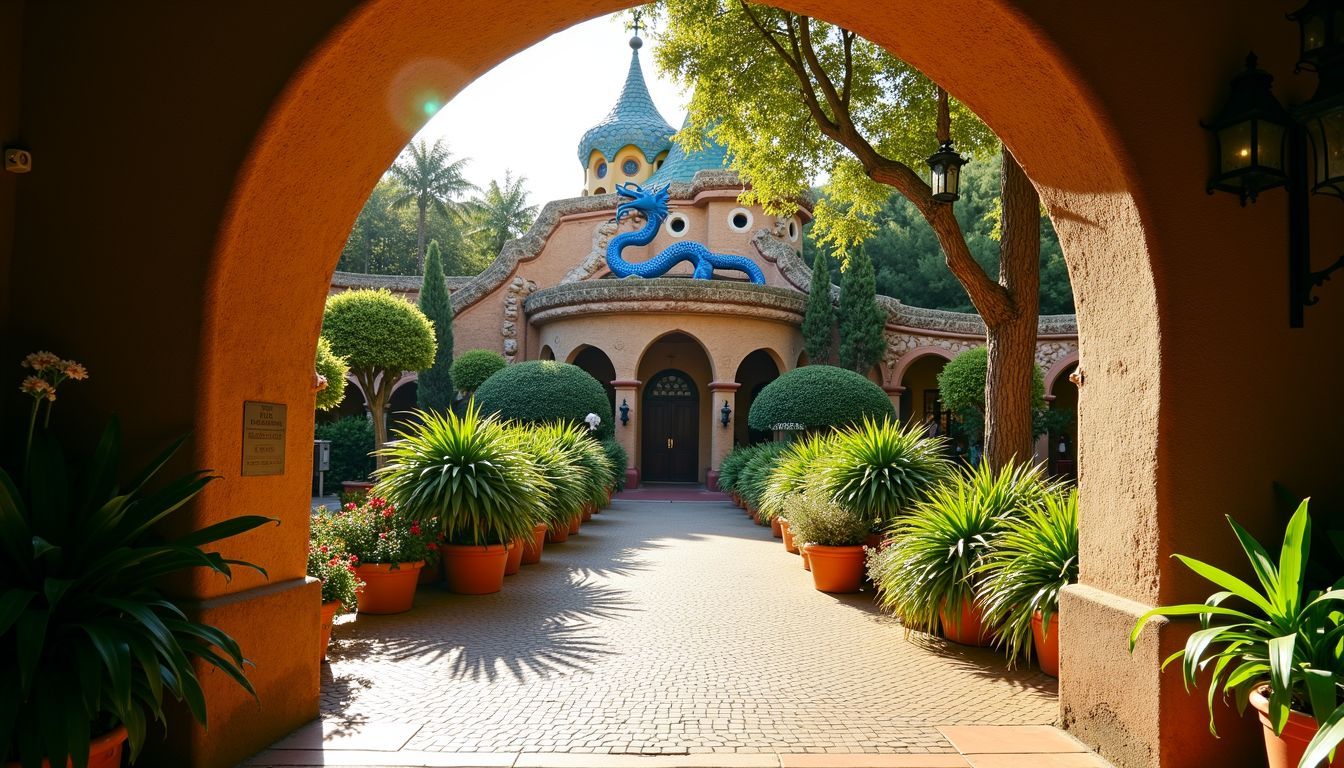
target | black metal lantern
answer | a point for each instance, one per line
(625, 412)
(1250, 135)
(1322, 51)
(945, 173)
(725, 413)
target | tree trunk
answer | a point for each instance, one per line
(1012, 340)
(420, 240)
(378, 391)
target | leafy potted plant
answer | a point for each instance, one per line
(563, 497)
(89, 642)
(832, 536)
(389, 551)
(1032, 560)
(329, 563)
(1280, 649)
(791, 473)
(752, 480)
(470, 479)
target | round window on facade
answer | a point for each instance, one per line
(600, 191)
(631, 167)
(739, 220)
(601, 170)
(678, 225)
(793, 230)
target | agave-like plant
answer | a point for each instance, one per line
(619, 460)
(591, 462)
(1034, 557)
(564, 496)
(466, 474)
(752, 479)
(88, 640)
(794, 470)
(1281, 635)
(931, 564)
(879, 469)
(731, 467)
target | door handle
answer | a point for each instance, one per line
(669, 443)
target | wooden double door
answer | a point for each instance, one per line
(671, 427)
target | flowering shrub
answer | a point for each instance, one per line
(336, 570)
(373, 532)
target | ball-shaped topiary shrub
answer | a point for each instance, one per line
(546, 392)
(473, 367)
(334, 369)
(818, 396)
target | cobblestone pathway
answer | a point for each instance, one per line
(666, 628)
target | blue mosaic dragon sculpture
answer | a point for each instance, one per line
(654, 207)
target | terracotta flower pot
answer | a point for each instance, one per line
(104, 751)
(969, 629)
(388, 587)
(557, 535)
(329, 609)
(807, 561)
(574, 523)
(514, 563)
(1285, 750)
(588, 511)
(836, 569)
(431, 574)
(776, 528)
(787, 535)
(1047, 643)
(532, 549)
(876, 541)
(474, 570)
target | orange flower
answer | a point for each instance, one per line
(38, 387)
(41, 360)
(74, 370)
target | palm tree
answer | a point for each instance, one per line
(501, 214)
(429, 177)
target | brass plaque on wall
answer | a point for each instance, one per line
(263, 439)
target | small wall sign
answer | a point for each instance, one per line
(263, 439)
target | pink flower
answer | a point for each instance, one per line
(383, 535)
(350, 507)
(354, 560)
(388, 512)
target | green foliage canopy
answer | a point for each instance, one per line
(474, 366)
(819, 315)
(435, 390)
(334, 370)
(376, 331)
(546, 392)
(351, 448)
(819, 396)
(383, 238)
(961, 387)
(861, 319)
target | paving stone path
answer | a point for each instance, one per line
(666, 628)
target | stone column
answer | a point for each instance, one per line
(721, 437)
(894, 392)
(627, 392)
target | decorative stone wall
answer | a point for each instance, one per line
(519, 289)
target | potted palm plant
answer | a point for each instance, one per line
(470, 479)
(89, 642)
(1278, 646)
(563, 497)
(832, 536)
(1032, 560)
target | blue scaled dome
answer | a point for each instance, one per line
(633, 121)
(682, 166)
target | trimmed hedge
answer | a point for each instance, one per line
(819, 396)
(351, 449)
(473, 367)
(546, 392)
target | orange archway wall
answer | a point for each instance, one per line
(201, 164)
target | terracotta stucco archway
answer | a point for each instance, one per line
(230, 121)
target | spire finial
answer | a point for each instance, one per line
(635, 26)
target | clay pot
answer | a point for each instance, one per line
(807, 561)
(356, 486)
(474, 570)
(587, 511)
(786, 534)
(557, 535)
(431, 574)
(388, 587)
(1047, 643)
(969, 630)
(104, 751)
(574, 523)
(876, 541)
(514, 563)
(1285, 750)
(836, 569)
(532, 548)
(776, 528)
(329, 610)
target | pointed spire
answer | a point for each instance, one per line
(634, 119)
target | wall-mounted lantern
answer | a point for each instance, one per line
(725, 413)
(625, 413)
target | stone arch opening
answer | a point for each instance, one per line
(681, 352)
(917, 376)
(598, 365)
(756, 370)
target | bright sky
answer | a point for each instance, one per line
(528, 114)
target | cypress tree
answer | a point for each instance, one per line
(435, 391)
(862, 341)
(819, 316)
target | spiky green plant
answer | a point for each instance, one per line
(564, 495)
(1032, 560)
(878, 469)
(731, 466)
(753, 477)
(793, 471)
(619, 460)
(593, 469)
(468, 473)
(936, 548)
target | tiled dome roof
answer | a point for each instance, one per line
(682, 166)
(634, 120)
